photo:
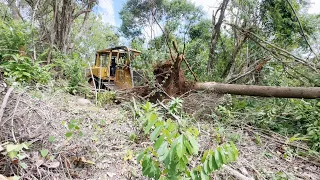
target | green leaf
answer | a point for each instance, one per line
(71, 126)
(26, 74)
(222, 155)
(154, 135)
(181, 149)
(188, 146)
(23, 165)
(217, 158)
(193, 143)
(231, 153)
(213, 162)
(163, 151)
(159, 142)
(68, 134)
(235, 150)
(51, 139)
(11, 147)
(205, 166)
(140, 156)
(204, 157)
(193, 174)
(151, 121)
(16, 178)
(163, 178)
(12, 154)
(44, 152)
(146, 166)
(51, 158)
(203, 175)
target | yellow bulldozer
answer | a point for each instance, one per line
(112, 69)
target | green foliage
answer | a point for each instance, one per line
(73, 128)
(177, 16)
(14, 150)
(175, 105)
(72, 68)
(214, 159)
(286, 116)
(313, 134)
(44, 152)
(99, 35)
(106, 97)
(279, 19)
(51, 139)
(14, 35)
(174, 147)
(21, 69)
(136, 14)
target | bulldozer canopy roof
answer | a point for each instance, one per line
(119, 49)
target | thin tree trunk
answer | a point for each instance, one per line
(231, 64)
(263, 91)
(35, 8)
(53, 32)
(15, 10)
(216, 34)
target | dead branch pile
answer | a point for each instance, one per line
(27, 120)
(30, 121)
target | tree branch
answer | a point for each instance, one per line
(194, 75)
(165, 35)
(302, 31)
(4, 102)
(287, 54)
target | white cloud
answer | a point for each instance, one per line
(107, 12)
(314, 7)
(207, 5)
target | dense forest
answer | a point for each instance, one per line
(54, 124)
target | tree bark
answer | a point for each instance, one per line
(14, 10)
(262, 91)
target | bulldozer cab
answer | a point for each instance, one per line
(112, 68)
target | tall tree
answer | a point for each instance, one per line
(216, 27)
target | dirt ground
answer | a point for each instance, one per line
(111, 139)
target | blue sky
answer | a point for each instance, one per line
(109, 9)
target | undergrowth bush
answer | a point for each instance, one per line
(106, 97)
(72, 69)
(13, 36)
(285, 116)
(176, 147)
(21, 69)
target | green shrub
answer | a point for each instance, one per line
(174, 147)
(106, 97)
(21, 69)
(72, 68)
(313, 134)
(14, 35)
(285, 116)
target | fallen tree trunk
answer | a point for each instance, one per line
(170, 77)
(263, 91)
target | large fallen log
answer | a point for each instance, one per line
(263, 91)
